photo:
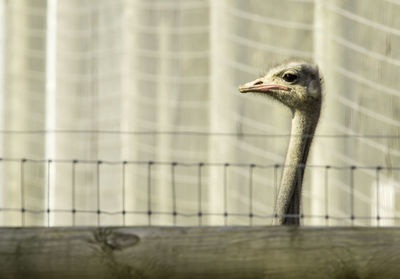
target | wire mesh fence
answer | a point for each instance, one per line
(154, 193)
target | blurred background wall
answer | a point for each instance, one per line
(140, 81)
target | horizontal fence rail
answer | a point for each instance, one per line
(197, 133)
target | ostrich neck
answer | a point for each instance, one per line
(288, 200)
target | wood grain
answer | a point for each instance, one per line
(209, 252)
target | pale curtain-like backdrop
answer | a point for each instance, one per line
(90, 69)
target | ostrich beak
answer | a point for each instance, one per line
(259, 85)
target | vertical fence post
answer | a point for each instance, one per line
(251, 215)
(73, 196)
(378, 216)
(352, 216)
(276, 190)
(226, 165)
(98, 191)
(199, 194)
(149, 212)
(48, 192)
(173, 188)
(123, 186)
(22, 173)
(326, 178)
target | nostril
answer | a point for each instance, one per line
(258, 82)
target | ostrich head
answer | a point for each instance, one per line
(295, 84)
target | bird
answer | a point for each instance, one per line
(297, 85)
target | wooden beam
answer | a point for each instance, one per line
(200, 252)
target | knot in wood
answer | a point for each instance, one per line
(119, 241)
(110, 240)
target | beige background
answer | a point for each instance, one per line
(158, 66)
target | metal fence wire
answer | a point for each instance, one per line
(82, 192)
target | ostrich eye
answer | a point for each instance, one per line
(288, 77)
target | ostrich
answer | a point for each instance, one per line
(297, 85)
